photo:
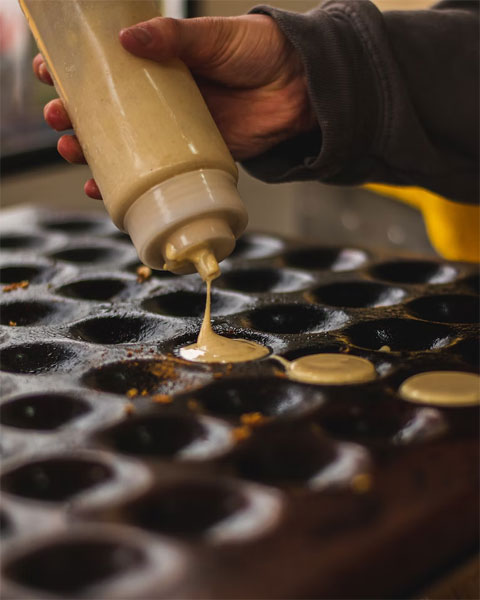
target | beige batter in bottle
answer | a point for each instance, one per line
(165, 173)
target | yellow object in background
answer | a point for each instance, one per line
(453, 228)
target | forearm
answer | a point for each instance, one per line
(395, 96)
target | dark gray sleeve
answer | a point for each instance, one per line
(396, 96)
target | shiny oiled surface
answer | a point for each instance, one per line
(187, 475)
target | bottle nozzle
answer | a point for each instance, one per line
(201, 257)
(187, 222)
(206, 264)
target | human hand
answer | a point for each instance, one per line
(251, 77)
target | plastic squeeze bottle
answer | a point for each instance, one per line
(164, 171)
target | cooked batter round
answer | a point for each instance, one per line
(442, 388)
(329, 369)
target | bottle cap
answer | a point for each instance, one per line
(188, 222)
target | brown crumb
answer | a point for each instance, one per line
(217, 375)
(132, 392)
(15, 286)
(241, 433)
(144, 393)
(162, 399)
(164, 370)
(143, 273)
(12, 323)
(361, 483)
(253, 419)
(193, 405)
(129, 409)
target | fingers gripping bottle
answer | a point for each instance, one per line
(164, 171)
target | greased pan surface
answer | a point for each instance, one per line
(130, 473)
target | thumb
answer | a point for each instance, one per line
(198, 42)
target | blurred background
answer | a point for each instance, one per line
(33, 173)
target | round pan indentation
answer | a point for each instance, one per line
(171, 511)
(446, 308)
(264, 280)
(72, 566)
(102, 290)
(358, 294)
(55, 479)
(34, 358)
(384, 364)
(175, 344)
(451, 418)
(114, 329)
(414, 271)
(87, 254)
(14, 241)
(184, 303)
(469, 351)
(334, 259)
(285, 456)
(354, 416)
(72, 225)
(399, 335)
(295, 318)
(44, 412)
(269, 396)
(17, 273)
(5, 524)
(26, 313)
(145, 376)
(326, 347)
(253, 246)
(172, 436)
(121, 236)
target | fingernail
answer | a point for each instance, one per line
(42, 72)
(142, 35)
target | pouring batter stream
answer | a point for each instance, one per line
(211, 347)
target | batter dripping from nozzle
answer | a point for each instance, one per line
(211, 347)
(315, 368)
(172, 187)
